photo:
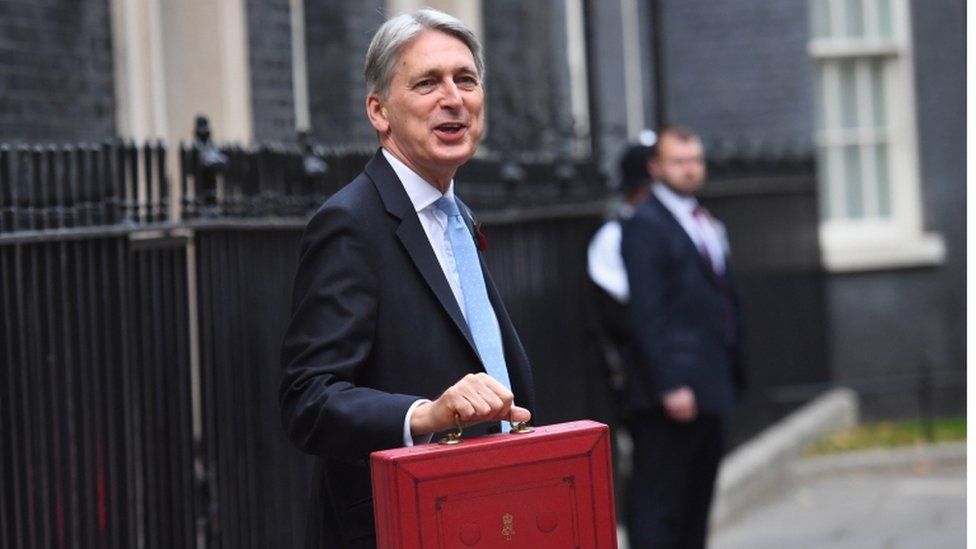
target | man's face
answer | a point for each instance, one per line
(432, 117)
(679, 164)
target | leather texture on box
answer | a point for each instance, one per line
(551, 488)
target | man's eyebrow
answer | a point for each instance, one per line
(436, 72)
(429, 73)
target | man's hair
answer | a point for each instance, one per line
(680, 133)
(395, 34)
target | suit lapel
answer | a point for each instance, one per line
(676, 225)
(414, 239)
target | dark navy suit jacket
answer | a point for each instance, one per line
(686, 318)
(375, 327)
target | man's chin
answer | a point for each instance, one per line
(454, 154)
(688, 188)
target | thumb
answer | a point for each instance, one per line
(520, 414)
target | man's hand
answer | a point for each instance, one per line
(680, 404)
(475, 398)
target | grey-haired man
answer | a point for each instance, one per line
(396, 321)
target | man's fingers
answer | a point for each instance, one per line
(479, 397)
(466, 404)
(485, 385)
(680, 404)
(463, 408)
(495, 386)
(487, 388)
(474, 398)
(684, 413)
(680, 411)
(480, 406)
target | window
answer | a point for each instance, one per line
(865, 136)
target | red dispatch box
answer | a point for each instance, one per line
(550, 488)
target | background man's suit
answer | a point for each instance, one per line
(375, 327)
(686, 328)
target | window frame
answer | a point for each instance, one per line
(870, 241)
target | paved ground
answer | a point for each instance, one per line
(910, 498)
(918, 507)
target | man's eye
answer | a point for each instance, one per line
(467, 81)
(425, 84)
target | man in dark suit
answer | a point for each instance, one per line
(397, 326)
(686, 325)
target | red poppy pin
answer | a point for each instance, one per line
(480, 239)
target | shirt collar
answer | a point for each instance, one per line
(677, 203)
(421, 193)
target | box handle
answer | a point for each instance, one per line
(518, 428)
(453, 438)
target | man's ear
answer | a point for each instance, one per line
(651, 166)
(376, 111)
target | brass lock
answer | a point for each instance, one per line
(519, 428)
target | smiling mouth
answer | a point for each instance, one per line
(450, 128)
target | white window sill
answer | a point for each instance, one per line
(821, 48)
(853, 253)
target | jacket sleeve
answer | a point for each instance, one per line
(645, 252)
(328, 344)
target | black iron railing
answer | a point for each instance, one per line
(88, 185)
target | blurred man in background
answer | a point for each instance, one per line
(688, 366)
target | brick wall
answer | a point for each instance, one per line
(337, 33)
(56, 79)
(740, 70)
(272, 98)
(939, 38)
(528, 77)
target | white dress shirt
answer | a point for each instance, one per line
(423, 195)
(604, 262)
(704, 230)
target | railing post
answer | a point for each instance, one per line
(8, 207)
(208, 163)
(314, 171)
(109, 189)
(513, 177)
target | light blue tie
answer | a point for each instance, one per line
(480, 315)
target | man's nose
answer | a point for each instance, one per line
(451, 96)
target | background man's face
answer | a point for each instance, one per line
(432, 119)
(679, 164)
